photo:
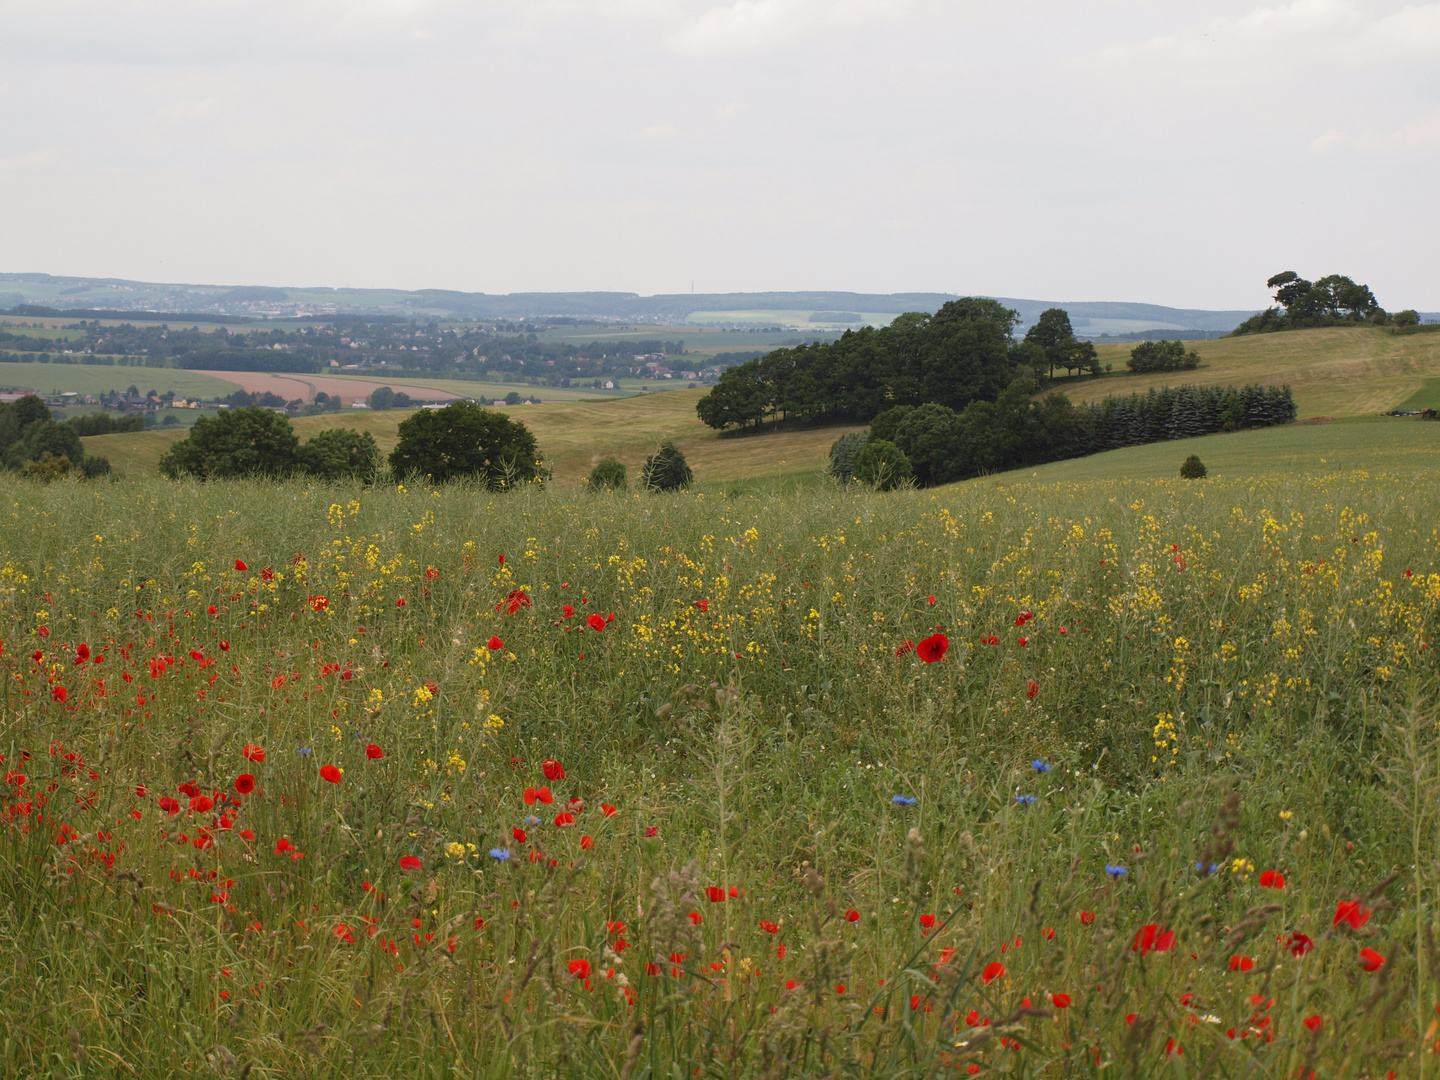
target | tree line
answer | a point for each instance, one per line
(935, 444)
(1333, 300)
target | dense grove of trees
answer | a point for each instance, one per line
(260, 442)
(105, 424)
(962, 353)
(1334, 300)
(1150, 356)
(33, 444)
(939, 444)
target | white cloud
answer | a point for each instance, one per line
(743, 25)
(1420, 134)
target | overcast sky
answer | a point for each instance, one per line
(1068, 150)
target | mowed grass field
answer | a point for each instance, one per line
(1333, 372)
(101, 379)
(572, 437)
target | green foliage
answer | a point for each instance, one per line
(1192, 468)
(1334, 300)
(1162, 355)
(238, 442)
(930, 439)
(341, 454)
(384, 397)
(29, 436)
(1407, 318)
(666, 469)
(105, 424)
(962, 353)
(843, 453)
(885, 425)
(463, 441)
(46, 469)
(608, 475)
(883, 466)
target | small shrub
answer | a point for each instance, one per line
(666, 470)
(1193, 468)
(843, 453)
(1162, 356)
(883, 466)
(608, 475)
(46, 469)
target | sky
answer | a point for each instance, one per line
(1138, 150)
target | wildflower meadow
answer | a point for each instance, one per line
(1043, 780)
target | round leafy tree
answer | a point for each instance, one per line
(240, 442)
(1193, 468)
(463, 441)
(929, 437)
(884, 425)
(665, 470)
(608, 475)
(342, 454)
(882, 465)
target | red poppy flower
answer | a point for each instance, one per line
(283, 845)
(1352, 912)
(1241, 963)
(495, 643)
(993, 970)
(1060, 1001)
(82, 653)
(715, 894)
(552, 769)
(1032, 688)
(188, 788)
(400, 602)
(904, 648)
(852, 915)
(568, 610)
(607, 809)
(534, 795)
(1272, 879)
(224, 646)
(1313, 1022)
(60, 694)
(245, 783)
(519, 835)
(596, 622)
(1370, 960)
(652, 830)
(516, 600)
(169, 805)
(410, 862)
(319, 603)
(253, 753)
(563, 819)
(580, 968)
(240, 565)
(695, 918)
(330, 773)
(933, 648)
(1152, 938)
(1299, 944)
(202, 804)
(927, 921)
(373, 752)
(1087, 918)
(1024, 641)
(703, 604)
(586, 842)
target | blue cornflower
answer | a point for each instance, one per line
(1116, 871)
(1024, 800)
(1039, 766)
(1201, 867)
(304, 749)
(903, 800)
(499, 854)
(532, 820)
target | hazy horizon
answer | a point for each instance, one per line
(1126, 151)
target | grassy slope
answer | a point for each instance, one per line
(572, 435)
(98, 379)
(1334, 372)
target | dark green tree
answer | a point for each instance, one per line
(342, 454)
(883, 466)
(239, 442)
(885, 425)
(929, 437)
(843, 453)
(463, 441)
(382, 397)
(1055, 337)
(666, 469)
(608, 475)
(1193, 468)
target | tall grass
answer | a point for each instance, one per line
(1213, 675)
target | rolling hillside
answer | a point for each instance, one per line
(1340, 371)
